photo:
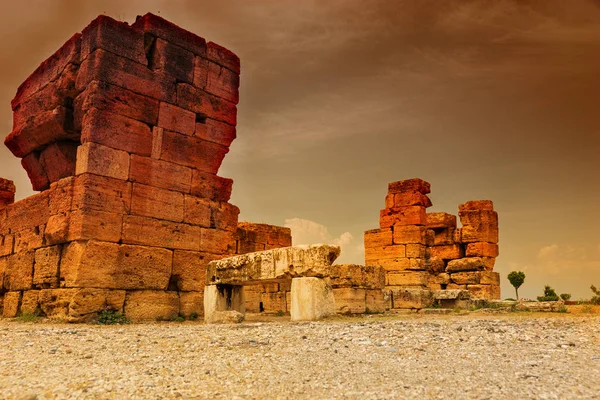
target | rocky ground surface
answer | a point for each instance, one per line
(482, 357)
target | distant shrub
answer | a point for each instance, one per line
(193, 316)
(565, 296)
(549, 294)
(28, 317)
(280, 313)
(596, 298)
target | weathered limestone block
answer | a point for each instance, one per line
(389, 257)
(35, 172)
(374, 301)
(437, 265)
(274, 302)
(176, 119)
(440, 278)
(410, 234)
(439, 220)
(173, 60)
(117, 132)
(160, 174)
(484, 291)
(408, 215)
(490, 278)
(476, 205)
(224, 303)
(444, 236)
(101, 160)
(223, 83)
(55, 302)
(156, 26)
(210, 186)
(416, 184)
(153, 232)
(411, 298)
(312, 299)
(30, 212)
(407, 278)
(479, 226)
(84, 225)
(58, 160)
(41, 130)
(7, 193)
(206, 104)
(189, 269)
(282, 263)
(45, 270)
(87, 303)
(7, 245)
(223, 57)
(191, 304)
(253, 299)
(352, 275)
(451, 294)
(470, 264)
(151, 305)
(114, 36)
(12, 303)
(192, 152)
(482, 249)
(115, 100)
(252, 237)
(30, 302)
(29, 239)
(448, 252)
(414, 250)
(113, 266)
(18, 273)
(466, 278)
(215, 131)
(379, 238)
(350, 300)
(409, 198)
(108, 67)
(149, 201)
(100, 193)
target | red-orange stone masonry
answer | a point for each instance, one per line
(122, 131)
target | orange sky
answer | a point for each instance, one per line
(489, 99)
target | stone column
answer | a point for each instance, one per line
(7, 193)
(312, 299)
(224, 304)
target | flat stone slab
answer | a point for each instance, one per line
(451, 294)
(283, 263)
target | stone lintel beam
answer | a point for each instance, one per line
(282, 263)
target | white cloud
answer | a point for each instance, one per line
(305, 231)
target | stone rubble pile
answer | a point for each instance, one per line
(423, 252)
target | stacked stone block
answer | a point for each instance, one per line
(273, 297)
(357, 289)
(400, 245)
(423, 251)
(123, 130)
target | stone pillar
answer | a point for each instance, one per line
(224, 303)
(7, 193)
(312, 299)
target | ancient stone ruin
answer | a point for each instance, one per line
(123, 131)
(426, 252)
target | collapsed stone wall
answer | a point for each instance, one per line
(422, 252)
(123, 131)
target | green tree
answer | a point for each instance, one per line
(516, 278)
(549, 294)
(596, 298)
(565, 296)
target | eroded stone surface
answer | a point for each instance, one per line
(283, 263)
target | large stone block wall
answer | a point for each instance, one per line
(423, 251)
(123, 131)
(272, 297)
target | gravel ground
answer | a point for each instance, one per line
(491, 357)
